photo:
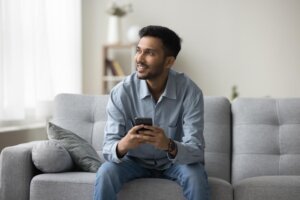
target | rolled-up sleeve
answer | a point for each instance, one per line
(191, 148)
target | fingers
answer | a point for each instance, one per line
(151, 128)
(136, 136)
(135, 129)
(146, 138)
(150, 134)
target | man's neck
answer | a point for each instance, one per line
(157, 87)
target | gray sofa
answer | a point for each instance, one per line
(252, 153)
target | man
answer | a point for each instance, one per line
(173, 147)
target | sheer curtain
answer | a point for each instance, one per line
(40, 55)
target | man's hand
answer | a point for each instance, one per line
(155, 136)
(130, 141)
(135, 137)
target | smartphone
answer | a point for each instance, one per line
(143, 120)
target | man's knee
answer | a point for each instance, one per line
(194, 173)
(108, 170)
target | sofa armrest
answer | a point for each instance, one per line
(16, 171)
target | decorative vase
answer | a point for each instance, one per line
(114, 28)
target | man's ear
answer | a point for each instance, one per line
(169, 62)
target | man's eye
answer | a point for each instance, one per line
(151, 53)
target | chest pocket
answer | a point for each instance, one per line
(170, 131)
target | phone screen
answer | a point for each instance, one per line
(143, 120)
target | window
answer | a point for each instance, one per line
(40, 55)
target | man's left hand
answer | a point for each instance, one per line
(155, 136)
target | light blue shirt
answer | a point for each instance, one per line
(179, 111)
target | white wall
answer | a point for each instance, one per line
(254, 44)
(11, 138)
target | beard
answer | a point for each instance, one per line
(150, 72)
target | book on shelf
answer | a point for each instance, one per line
(115, 67)
(118, 68)
(109, 66)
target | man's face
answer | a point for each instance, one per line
(150, 58)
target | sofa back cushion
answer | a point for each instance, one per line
(217, 134)
(86, 116)
(266, 137)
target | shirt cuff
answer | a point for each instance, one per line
(115, 157)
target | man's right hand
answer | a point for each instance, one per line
(130, 141)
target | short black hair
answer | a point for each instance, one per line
(170, 40)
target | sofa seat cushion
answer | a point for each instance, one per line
(220, 189)
(268, 188)
(80, 185)
(58, 186)
(151, 188)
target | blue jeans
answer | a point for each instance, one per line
(111, 177)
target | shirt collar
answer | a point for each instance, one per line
(170, 90)
(144, 92)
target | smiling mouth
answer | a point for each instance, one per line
(141, 67)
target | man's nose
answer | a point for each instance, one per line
(140, 57)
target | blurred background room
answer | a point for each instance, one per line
(245, 48)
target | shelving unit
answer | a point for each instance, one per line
(118, 62)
